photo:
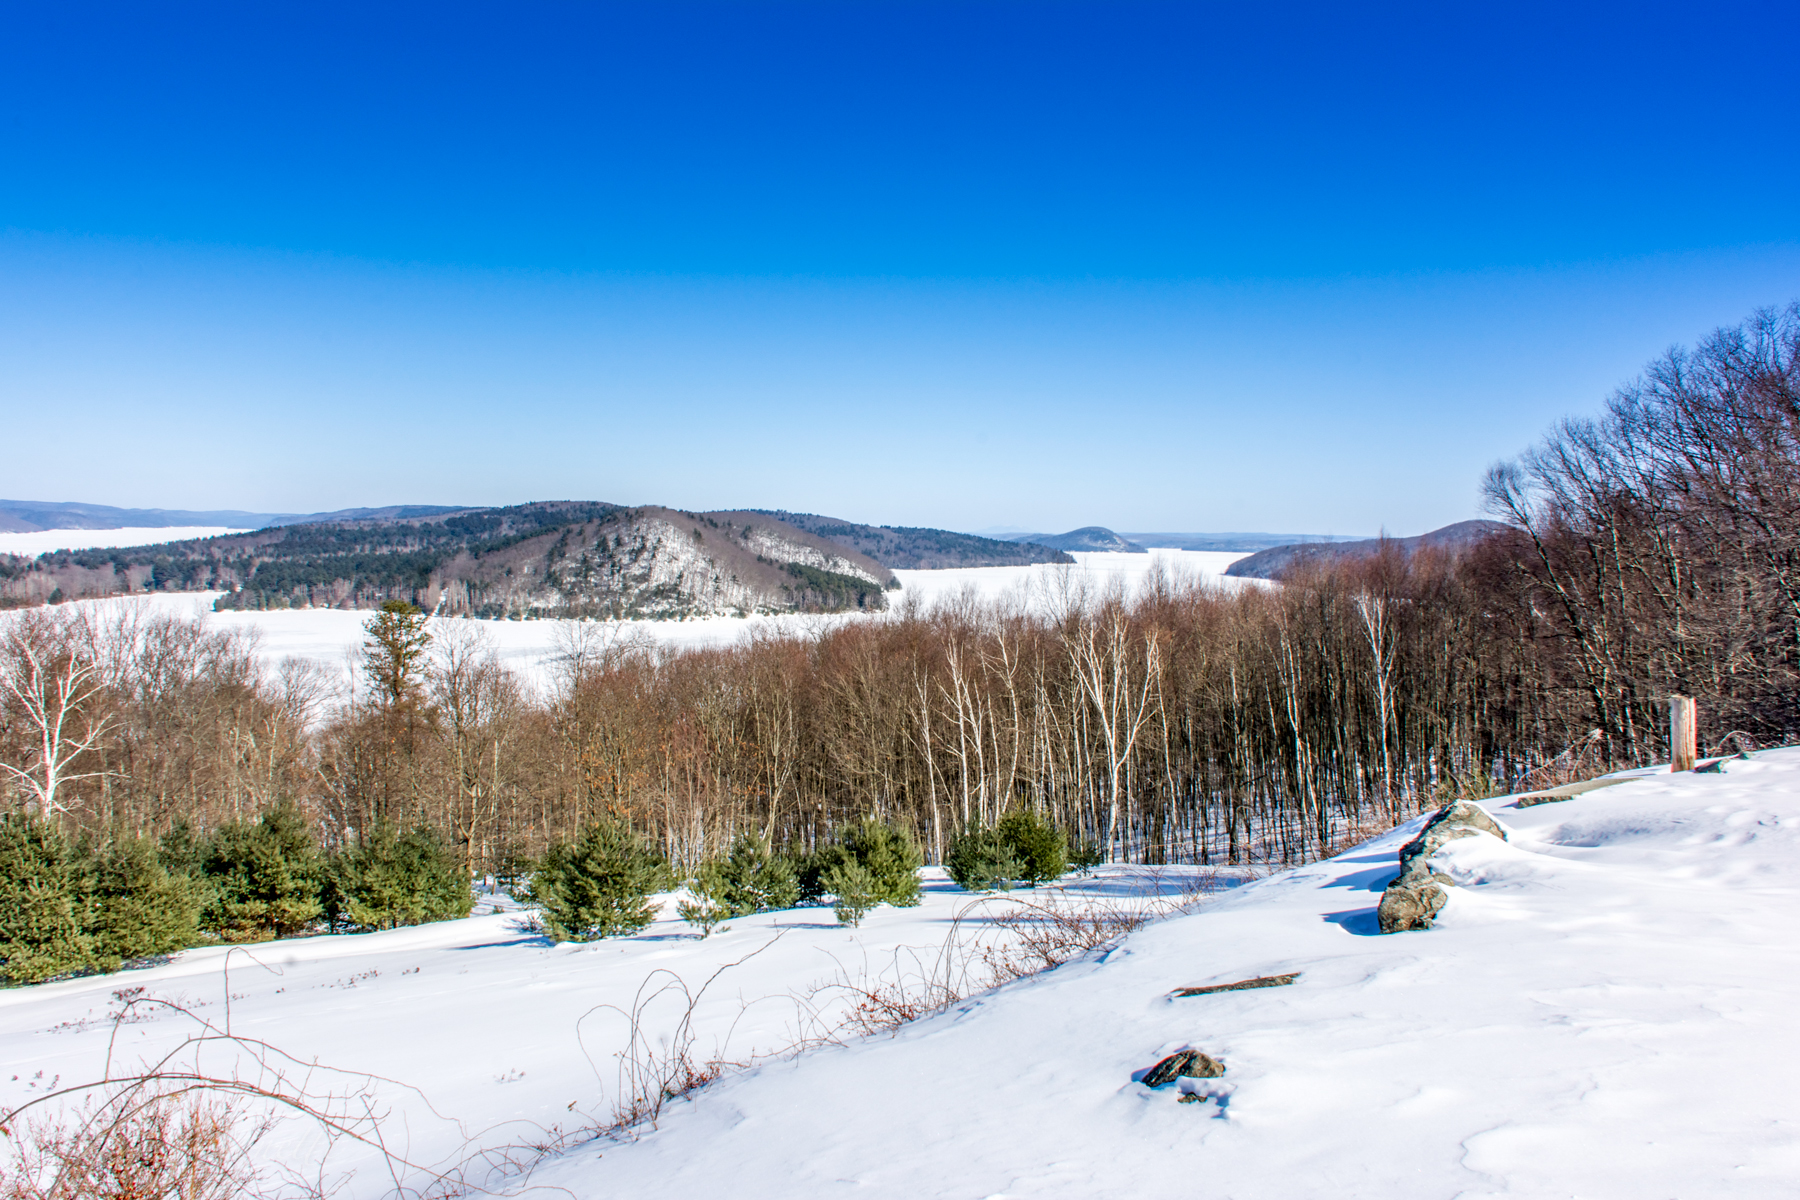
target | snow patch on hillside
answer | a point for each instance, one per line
(769, 544)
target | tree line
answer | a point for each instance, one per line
(1653, 549)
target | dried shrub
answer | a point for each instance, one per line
(154, 1143)
(1046, 933)
(993, 941)
(1582, 760)
(654, 1069)
(170, 1128)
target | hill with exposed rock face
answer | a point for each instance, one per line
(907, 548)
(554, 559)
(1279, 560)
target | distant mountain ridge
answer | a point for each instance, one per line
(1233, 541)
(1277, 561)
(31, 516)
(908, 548)
(894, 546)
(549, 559)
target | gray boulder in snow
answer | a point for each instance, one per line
(1417, 894)
(1191, 1063)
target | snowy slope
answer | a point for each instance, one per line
(488, 1033)
(1606, 1009)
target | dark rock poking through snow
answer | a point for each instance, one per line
(1261, 981)
(1534, 801)
(1191, 1063)
(1567, 791)
(1417, 894)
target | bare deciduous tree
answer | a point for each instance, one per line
(57, 691)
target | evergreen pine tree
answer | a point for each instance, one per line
(394, 652)
(181, 851)
(810, 869)
(1086, 856)
(706, 910)
(878, 862)
(753, 879)
(890, 856)
(389, 879)
(855, 887)
(1039, 846)
(41, 904)
(980, 860)
(597, 886)
(266, 877)
(136, 907)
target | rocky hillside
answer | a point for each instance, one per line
(907, 548)
(560, 559)
(1276, 562)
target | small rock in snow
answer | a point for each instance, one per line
(1191, 1063)
(1261, 981)
(1534, 801)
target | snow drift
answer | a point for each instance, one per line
(1600, 1010)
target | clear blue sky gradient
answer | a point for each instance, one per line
(1149, 266)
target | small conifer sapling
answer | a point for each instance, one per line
(855, 890)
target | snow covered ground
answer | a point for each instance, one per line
(498, 1035)
(1600, 1012)
(1045, 584)
(332, 637)
(1605, 1009)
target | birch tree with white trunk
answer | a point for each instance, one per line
(52, 689)
(1120, 693)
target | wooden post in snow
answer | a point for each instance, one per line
(1682, 751)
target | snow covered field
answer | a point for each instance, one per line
(45, 540)
(332, 637)
(1605, 1009)
(1044, 583)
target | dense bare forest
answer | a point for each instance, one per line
(1650, 550)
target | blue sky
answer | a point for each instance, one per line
(1044, 265)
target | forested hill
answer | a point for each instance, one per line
(561, 558)
(1088, 537)
(1278, 560)
(906, 548)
